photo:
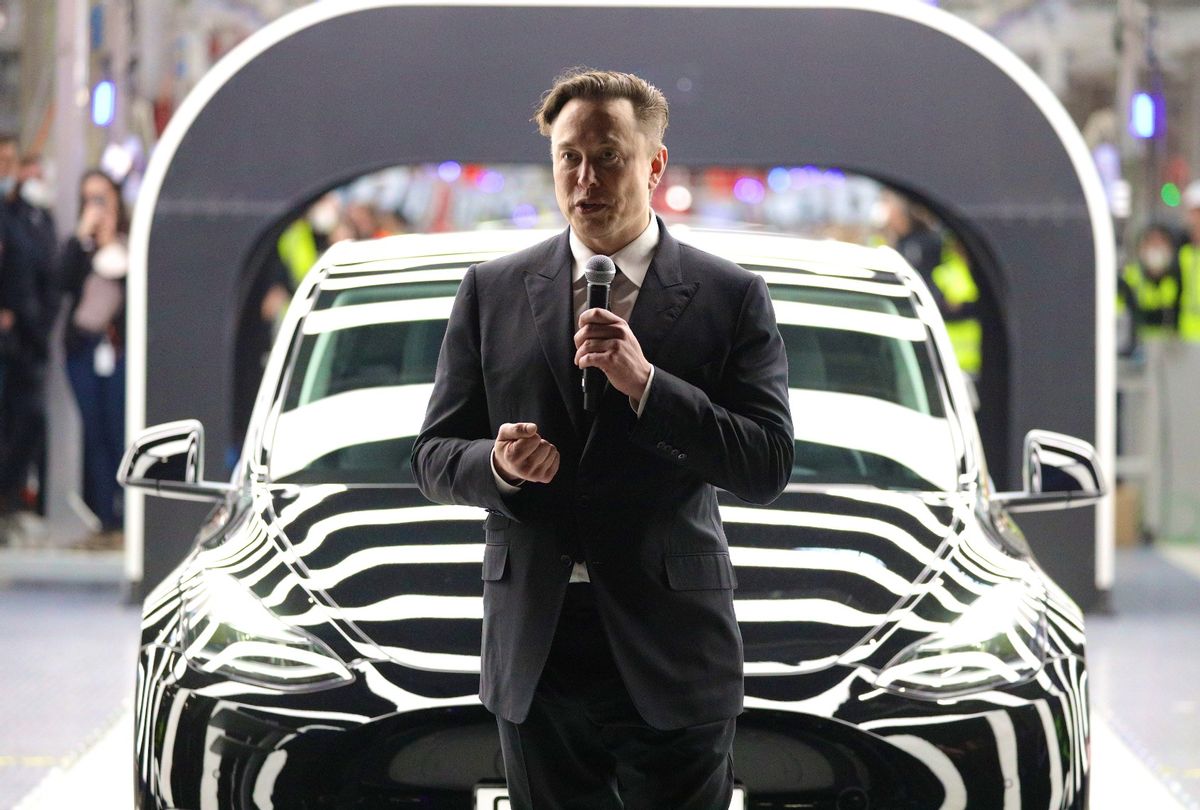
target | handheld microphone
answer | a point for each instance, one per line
(599, 272)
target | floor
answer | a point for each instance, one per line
(1144, 663)
(66, 676)
(66, 736)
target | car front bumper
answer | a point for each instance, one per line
(201, 745)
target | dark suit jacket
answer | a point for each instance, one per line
(27, 279)
(634, 497)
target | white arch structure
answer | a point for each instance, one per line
(917, 12)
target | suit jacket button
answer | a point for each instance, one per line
(682, 456)
(566, 559)
(674, 452)
(662, 445)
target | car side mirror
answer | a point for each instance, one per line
(1059, 472)
(168, 460)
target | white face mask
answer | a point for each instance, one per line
(1156, 259)
(35, 192)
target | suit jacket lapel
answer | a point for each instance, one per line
(548, 285)
(664, 295)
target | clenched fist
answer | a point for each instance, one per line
(520, 453)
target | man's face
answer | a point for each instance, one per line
(605, 167)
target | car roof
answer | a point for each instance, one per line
(749, 248)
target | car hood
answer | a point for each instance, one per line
(818, 570)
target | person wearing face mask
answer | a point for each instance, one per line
(94, 265)
(1153, 279)
(27, 251)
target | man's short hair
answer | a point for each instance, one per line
(649, 103)
(7, 138)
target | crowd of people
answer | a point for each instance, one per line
(1158, 288)
(82, 279)
(73, 288)
(39, 280)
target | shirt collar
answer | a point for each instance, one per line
(633, 259)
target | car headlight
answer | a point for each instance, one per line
(227, 630)
(999, 639)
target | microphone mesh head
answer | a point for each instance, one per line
(599, 270)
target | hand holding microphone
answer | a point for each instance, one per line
(599, 272)
(604, 344)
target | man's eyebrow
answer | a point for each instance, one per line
(608, 140)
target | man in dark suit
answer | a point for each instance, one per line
(611, 654)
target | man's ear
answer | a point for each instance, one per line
(658, 165)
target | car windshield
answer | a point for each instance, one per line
(865, 401)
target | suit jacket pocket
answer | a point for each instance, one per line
(495, 558)
(698, 572)
(494, 526)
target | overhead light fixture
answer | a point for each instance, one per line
(104, 103)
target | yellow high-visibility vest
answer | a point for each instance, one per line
(1189, 299)
(953, 278)
(1151, 295)
(298, 248)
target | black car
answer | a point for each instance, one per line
(319, 646)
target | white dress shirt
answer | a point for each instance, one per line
(634, 260)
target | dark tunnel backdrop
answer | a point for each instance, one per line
(866, 91)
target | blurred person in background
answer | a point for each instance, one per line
(267, 290)
(1154, 280)
(393, 222)
(95, 261)
(1126, 326)
(323, 218)
(955, 282)
(363, 219)
(27, 253)
(11, 292)
(912, 238)
(1189, 267)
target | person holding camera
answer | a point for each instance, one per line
(94, 264)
